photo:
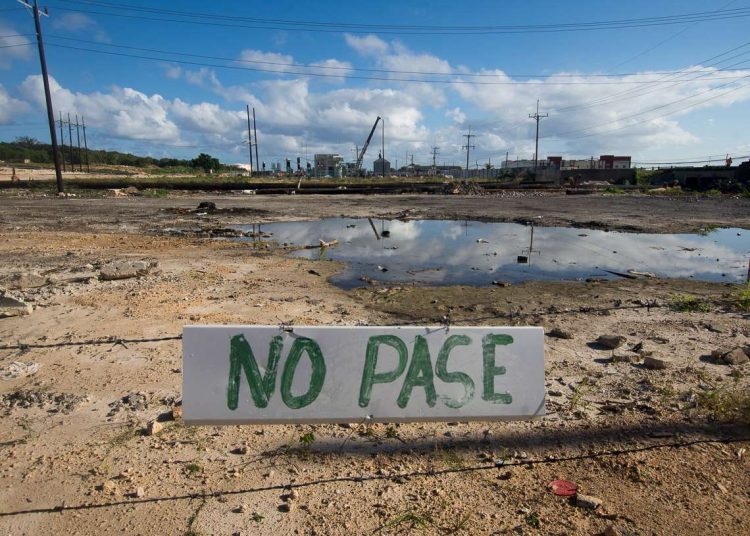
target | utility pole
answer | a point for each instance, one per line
(85, 145)
(47, 93)
(62, 140)
(537, 116)
(382, 154)
(250, 140)
(78, 136)
(255, 131)
(468, 147)
(434, 158)
(70, 145)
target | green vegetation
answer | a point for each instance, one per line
(687, 303)
(193, 468)
(411, 519)
(307, 439)
(741, 297)
(726, 404)
(613, 190)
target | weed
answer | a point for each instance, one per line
(741, 297)
(256, 517)
(450, 458)
(726, 404)
(391, 433)
(577, 399)
(613, 190)
(306, 440)
(412, 519)
(155, 192)
(193, 468)
(533, 520)
(687, 303)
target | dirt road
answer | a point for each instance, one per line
(666, 451)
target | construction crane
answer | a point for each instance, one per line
(361, 154)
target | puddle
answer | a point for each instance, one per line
(438, 252)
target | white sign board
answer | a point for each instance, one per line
(266, 374)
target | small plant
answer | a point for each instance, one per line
(412, 519)
(726, 405)
(193, 468)
(687, 303)
(307, 439)
(577, 399)
(391, 433)
(532, 520)
(741, 297)
(256, 517)
(614, 190)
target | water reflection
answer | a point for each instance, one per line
(477, 253)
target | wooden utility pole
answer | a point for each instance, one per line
(70, 144)
(78, 136)
(468, 147)
(255, 132)
(250, 141)
(537, 116)
(85, 145)
(47, 93)
(62, 140)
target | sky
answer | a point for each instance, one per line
(661, 81)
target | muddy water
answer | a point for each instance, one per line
(438, 252)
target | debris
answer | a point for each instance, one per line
(482, 241)
(655, 363)
(154, 427)
(385, 233)
(18, 369)
(206, 206)
(177, 413)
(499, 283)
(241, 509)
(239, 450)
(611, 341)
(641, 274)
(588, 501)
(324, 244)
(13, 307)
(109, 487)
(125, 269)
(286, 507)
(621, 274)
(563, 488)
(382, 268)
(313, 272)
(558, 333)
(139, 492)
(25, 399)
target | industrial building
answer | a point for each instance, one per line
(329, 165)
(381, 165)
(606, 161)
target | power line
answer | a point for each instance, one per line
(387, 71)
(211, 19)
(325, 75)
(537, 116)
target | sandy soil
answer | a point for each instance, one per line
(76, 458)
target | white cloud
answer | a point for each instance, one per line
(9, 38)
(368, 45)
(75, 22)
(456, 115)
(10, 107)
(336, 70)
(268, 61)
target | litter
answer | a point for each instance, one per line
(18, 369)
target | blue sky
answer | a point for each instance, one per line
(674, 91)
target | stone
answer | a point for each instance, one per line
(241, 509)
(13, 307)
(177, 413)
(154, 427)
(559, 334)
(588, 501)
(139, 492)
(611, 341)
(125, 269)
(21, 280)
(737, 356)
(286, 507)
(131, 190)
(239, 450)
(109, 487)
(621, 358)
(655, 363)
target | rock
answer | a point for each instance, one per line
(125, 269)
(139, 492)
(13, 307)
(655, 363)
(154, 427)
(177, 413)
(286, 507)
(241, 509)
(611, 341)
(18, 369)
(737, 356)
(109, 487)
(559, 334)
(206, 206)
(24, 280)
(499, 283)
(131, 190)
(588, 501)
(621, 358)
(239, 450)
(294, 495)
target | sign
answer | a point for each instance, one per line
(272, 374)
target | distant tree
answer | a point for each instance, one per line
(206, 162)
(26, 141)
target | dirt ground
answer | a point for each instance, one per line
(666, 451)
